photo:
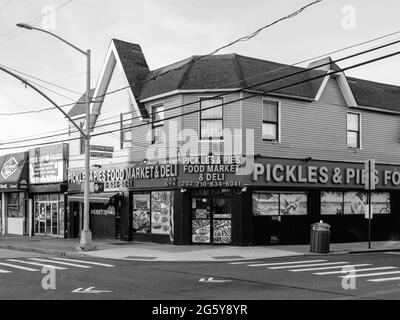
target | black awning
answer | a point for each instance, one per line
(93, 197)
(14, 172)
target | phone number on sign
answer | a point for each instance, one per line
(211, 184)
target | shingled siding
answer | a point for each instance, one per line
(318, 130)
(232, 113)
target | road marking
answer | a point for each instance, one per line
(87, 262)
(357, 270)
(5, 271)
(392, 252)
(384, 279)
(242, 262)
(37, 264)
(283, 263)
(308, 265)
(213, 280)
(89, 290)
(327, 268)
(369, 274)
(17, 267)
(63, 263)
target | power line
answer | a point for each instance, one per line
(224, 94)
(221, 87)
(225, 103)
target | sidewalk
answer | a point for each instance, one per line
(136, 251)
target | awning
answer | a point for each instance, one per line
(93, 197)
(14, 172)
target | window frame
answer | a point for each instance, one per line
(359, 130)
(221, 138)
(123, 129)
(155, 126)
(278, 123)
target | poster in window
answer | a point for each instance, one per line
(354, 202)
(265, 204)
(141, 213)
(293, 204)
(201, 231)
(161, 212)
(200, 208)
(332, 203)
(380, 202)
(222, 231)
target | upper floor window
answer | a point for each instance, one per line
(353, 130)
(157, 124)
(211, 119)
(126, 130)
(270, 128)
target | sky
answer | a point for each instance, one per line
(169, 31)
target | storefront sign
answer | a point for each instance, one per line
(14, 172)
(210, 171)
(48, 164)
(9, 168)
(124, 178)
(283, 172)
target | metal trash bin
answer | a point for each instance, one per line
(320, 237)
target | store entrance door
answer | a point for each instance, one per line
(211, 220)
(46, 218)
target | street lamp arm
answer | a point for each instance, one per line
(29, 27)
(45, 96)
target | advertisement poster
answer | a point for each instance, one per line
(380, 203)
(293, 204)
(161, 212)
(222, 231)
(355, 202)
(265, 204)
(201, 231)
(332, 203)
(141, 213)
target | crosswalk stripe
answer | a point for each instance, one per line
(283, 263)
(369, 274)
(242, 262)
(37, 264)
(356, 270)
(308, 265)
(63, 263)
(87, 262)
(17, 267)
(327, 268)
(384, 279)
(5, 271)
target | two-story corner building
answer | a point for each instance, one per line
(200, 152)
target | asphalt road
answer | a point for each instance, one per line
(283, 278)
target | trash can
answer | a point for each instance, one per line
(320, 237)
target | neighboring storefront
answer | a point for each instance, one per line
(14, 196)
(217, 201)
(47, 188)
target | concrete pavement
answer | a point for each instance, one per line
(136, 251)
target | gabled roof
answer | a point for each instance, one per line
(375, 94)
(80, 107)
(229, 71)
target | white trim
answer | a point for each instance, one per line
(376, 109)
(279, 120)
(179, 91)
(346, 91)
(199, 118)
(322, 88)
(264, 94)
(359, 134)
(107, 71)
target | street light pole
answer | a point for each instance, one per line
(86, 242)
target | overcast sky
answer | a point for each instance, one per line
(168, 31)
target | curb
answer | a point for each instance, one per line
(43, 250)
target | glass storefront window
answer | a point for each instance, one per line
(275, 204)
(338, 203)
(49, 215)
(16, 205)
(141, 212)
(161, 205)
